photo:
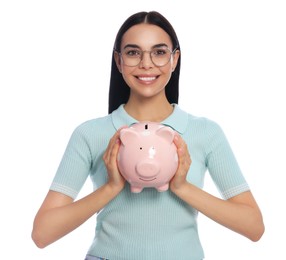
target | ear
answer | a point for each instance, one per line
(117, 60)
(166, 133)
(176, 56)
(128, 136)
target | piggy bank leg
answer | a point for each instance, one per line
(163, 187)
(136, 189)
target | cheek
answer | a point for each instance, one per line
(127, 74)
(167, 70)
(127, 71)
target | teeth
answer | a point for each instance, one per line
(147, 78)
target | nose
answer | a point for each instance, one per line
(146, 61)
(147, 169)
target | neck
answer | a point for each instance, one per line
(148, 110)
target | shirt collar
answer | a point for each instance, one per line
(178, 120)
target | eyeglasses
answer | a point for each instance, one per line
(160, 56)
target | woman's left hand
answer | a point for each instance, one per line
(184, 163)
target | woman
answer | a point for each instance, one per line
(149, 225)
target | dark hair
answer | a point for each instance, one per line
(119, 91)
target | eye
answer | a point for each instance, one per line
(132, 52)
(159, 51)
(141, 148)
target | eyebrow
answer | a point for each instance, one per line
(154, 46)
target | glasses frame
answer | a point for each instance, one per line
(142, 55)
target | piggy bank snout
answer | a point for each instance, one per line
(147, 169)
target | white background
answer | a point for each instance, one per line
(55, 61)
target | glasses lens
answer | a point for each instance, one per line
(131, 56)
(159, 56)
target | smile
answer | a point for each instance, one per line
(147, 180)
(147, 78)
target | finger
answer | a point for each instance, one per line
(111, 144)
(179, 142)
(114, 151)
(183, 154)
(115, 140)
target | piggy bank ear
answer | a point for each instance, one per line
(128, 135)
(167, 133)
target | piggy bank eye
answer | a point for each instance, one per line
(141, 148)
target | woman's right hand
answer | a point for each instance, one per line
(115, 179)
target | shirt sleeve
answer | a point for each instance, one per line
(222, 164)
(75, 165)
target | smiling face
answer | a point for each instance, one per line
(146, 79)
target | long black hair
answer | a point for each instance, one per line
(119, 91)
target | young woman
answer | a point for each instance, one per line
(149, 225)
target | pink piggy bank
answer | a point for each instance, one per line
(147, 156)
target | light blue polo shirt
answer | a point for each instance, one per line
(148, 225)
